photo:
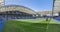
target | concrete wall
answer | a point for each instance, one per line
(1, 2)
(57, 6)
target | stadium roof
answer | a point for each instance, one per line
(47, 12)
(16, 7)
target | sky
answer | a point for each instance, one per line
(37, 5)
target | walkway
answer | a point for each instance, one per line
(57, 18)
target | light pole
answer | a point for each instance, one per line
(52, 15)
(53, 8)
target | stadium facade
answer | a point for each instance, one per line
(16, 12)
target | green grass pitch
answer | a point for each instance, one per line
(31, 25)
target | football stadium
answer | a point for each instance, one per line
(16, 12)
(18, 18)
